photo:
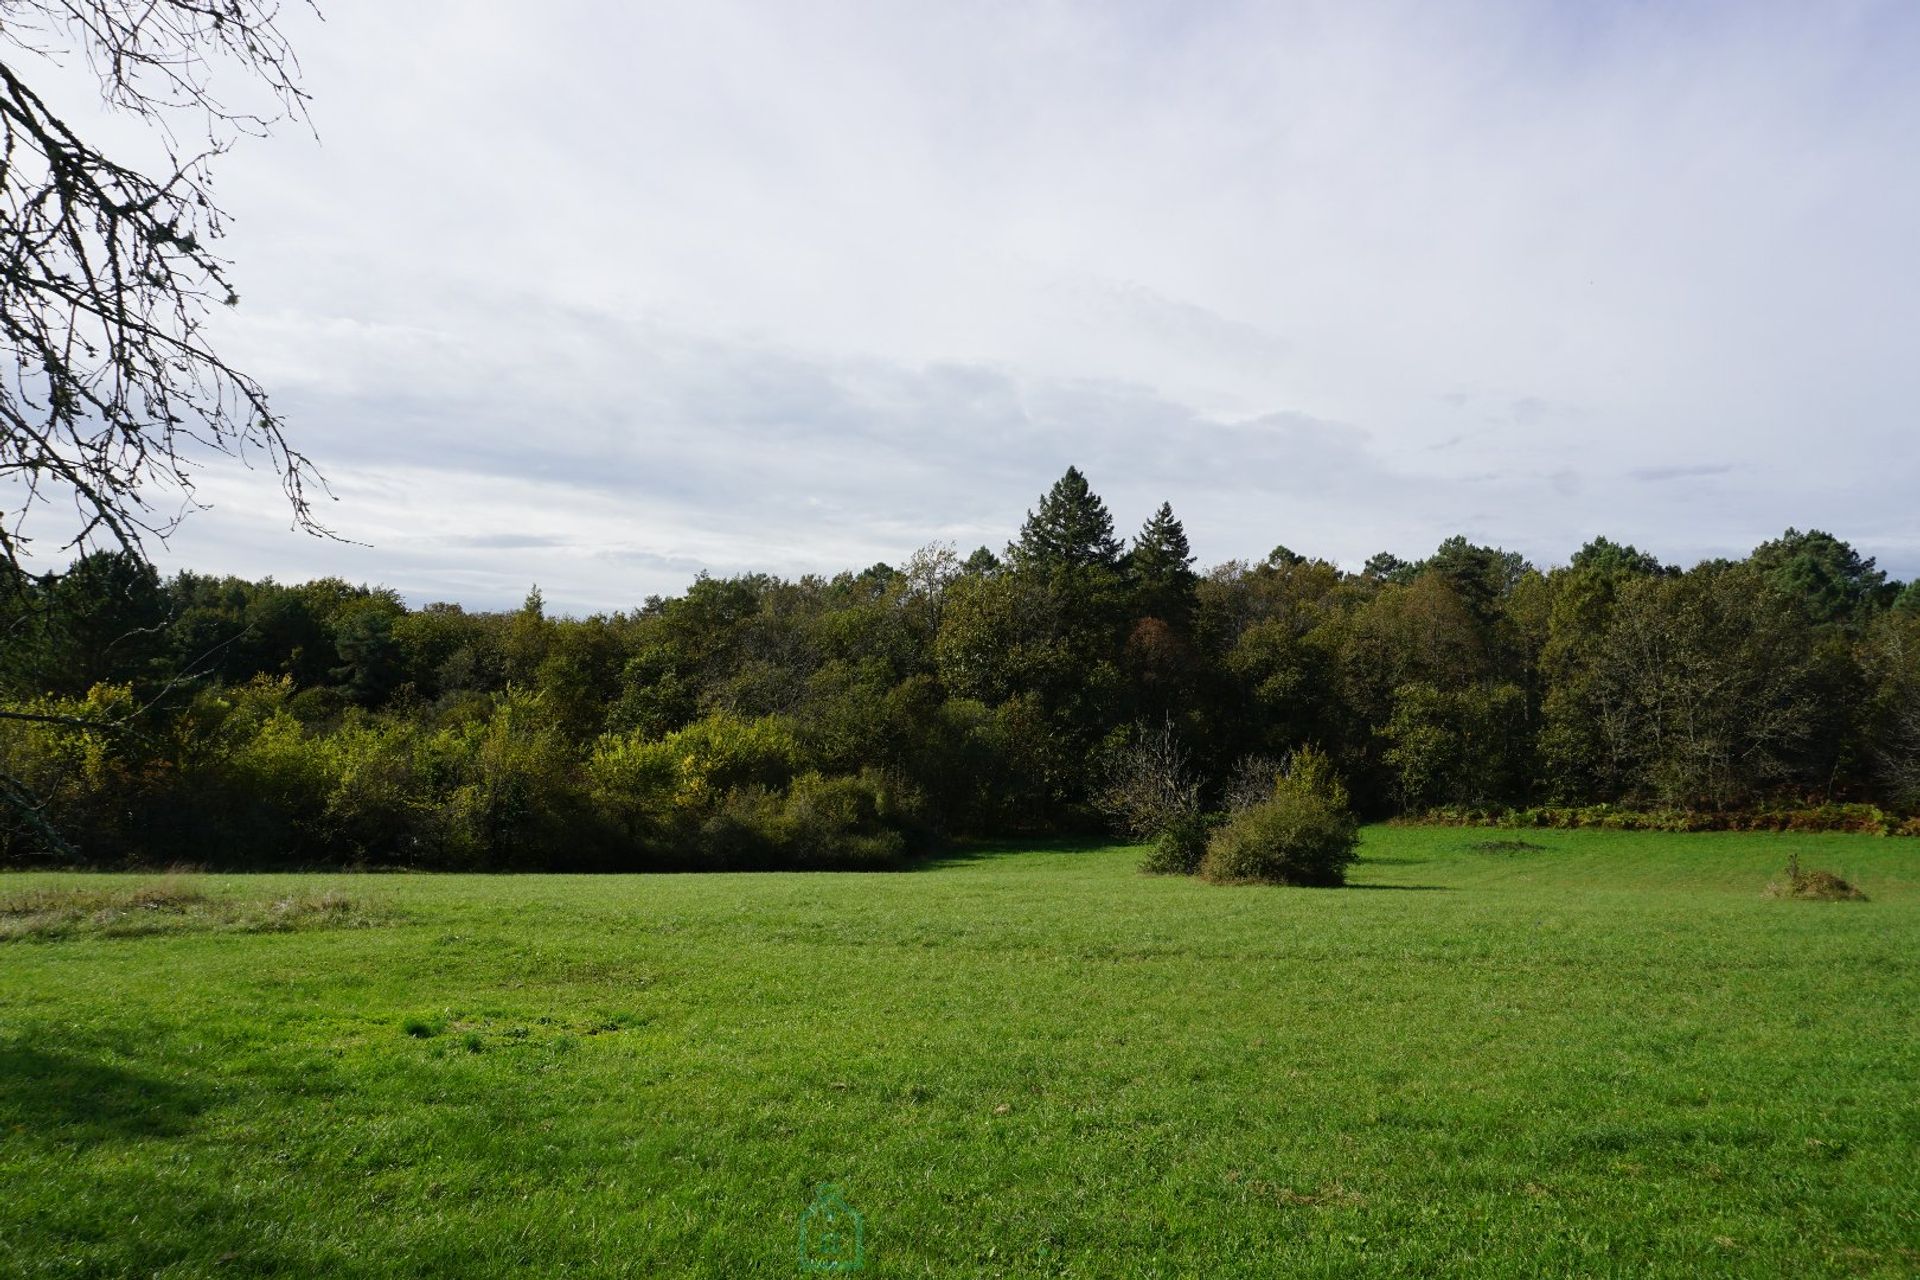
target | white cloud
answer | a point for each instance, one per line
(597, 294)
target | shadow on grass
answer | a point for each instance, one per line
(988, 850)
(72, 1214)
(65, 1097)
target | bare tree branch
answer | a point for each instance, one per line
(113, 394)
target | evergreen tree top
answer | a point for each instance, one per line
(1160, 548)
(1070, 528)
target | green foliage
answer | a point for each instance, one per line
(101, 622)
(1830, 578)
(659, 793)
(1468, 746)
(370, 658)
(1179, 847)
(1701, 691)
(259, 723)
(1852, 819)
(1482, 576)
(1606, 557)
(818, 823)
(1384, 566)
(1160, 565)
(1304, 834)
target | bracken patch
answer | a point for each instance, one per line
(1817, 885)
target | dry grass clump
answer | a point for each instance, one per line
(169, 906)
(1822, 886)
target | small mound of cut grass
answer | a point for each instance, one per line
(1817, 885)
(1507, 846)
(169, 906)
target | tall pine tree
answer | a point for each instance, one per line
(1161, 566)
(1070, 529)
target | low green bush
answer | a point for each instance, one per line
(1179, 847)
(1304, 834)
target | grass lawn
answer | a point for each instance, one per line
(1608, 1056)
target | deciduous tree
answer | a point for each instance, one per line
(114, 391)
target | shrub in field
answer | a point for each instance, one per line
(1303, 834)
(1179, 847)
(1152, 793)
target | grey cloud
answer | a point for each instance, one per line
(1680, 472)
(502, 541)
(1530, 411)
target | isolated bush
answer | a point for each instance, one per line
(1303, 834)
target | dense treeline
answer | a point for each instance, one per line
(755, 721)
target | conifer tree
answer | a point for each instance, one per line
(981, 563)
(1071, 528)
(1160, 550)
(1161, 565)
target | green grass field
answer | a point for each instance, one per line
(1611, 1056)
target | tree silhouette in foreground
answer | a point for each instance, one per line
(108, 275)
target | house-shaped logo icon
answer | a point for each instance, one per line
(833, 1237)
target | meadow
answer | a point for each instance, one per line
(1608, 1054)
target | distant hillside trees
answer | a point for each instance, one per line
(760, 721)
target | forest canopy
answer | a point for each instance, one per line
(755, 721)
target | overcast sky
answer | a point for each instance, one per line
(599, 295)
